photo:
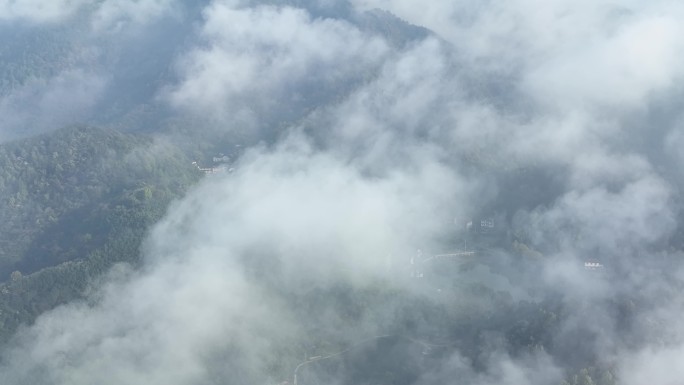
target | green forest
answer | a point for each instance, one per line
(74, 203)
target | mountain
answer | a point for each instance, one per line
(74, 202)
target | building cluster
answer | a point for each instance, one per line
(221, 164)
(593, 265)
(486, 225)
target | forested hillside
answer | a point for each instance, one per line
(74, 202)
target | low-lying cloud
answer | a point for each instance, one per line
(45, 104)
(381, 150)
(255, 63)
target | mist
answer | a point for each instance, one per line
(372, 134)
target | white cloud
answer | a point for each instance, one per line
(654, 365)
(584, 54)
(532, 85)
(46, 104)
(115, 16)
(304, 219)
(104, 15)
(39, 11)
(617, 70)
(261, 59)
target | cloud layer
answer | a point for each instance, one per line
(371, 151)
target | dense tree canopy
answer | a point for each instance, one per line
(75, 202)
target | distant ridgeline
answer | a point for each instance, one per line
(73, 203)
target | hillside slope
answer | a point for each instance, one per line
(74, 202)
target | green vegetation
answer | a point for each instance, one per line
(75, 202)
(35, 53)
(592, 376)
